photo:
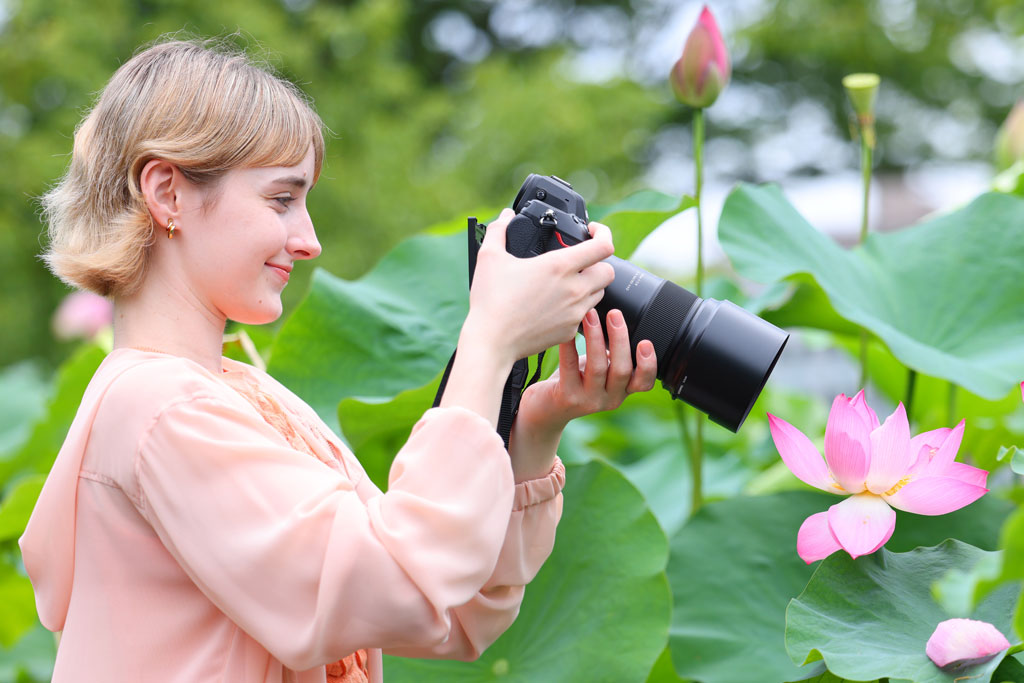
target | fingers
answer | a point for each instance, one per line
(495, 235)
(596, 370)
(646, 370)
(569, 367)
(600, 232)
(620, 365)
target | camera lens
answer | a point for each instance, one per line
(711, 354)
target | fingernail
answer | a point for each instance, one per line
(646, 351)
(615, 319)
(592, 317)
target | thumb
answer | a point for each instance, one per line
(495, 235)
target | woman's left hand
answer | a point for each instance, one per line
(598, 381)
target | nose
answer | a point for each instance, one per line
(303, 244)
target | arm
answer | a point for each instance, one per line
(241, 512)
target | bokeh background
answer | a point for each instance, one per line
(440, 108)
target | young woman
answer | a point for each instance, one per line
(200, 522)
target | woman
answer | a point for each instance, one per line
(201, 523)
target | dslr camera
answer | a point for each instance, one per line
(711, 354)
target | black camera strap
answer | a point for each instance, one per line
(517, 382)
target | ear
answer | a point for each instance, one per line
(162, 183)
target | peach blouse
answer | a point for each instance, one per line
(181, 536)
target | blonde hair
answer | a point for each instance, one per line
(203, 106)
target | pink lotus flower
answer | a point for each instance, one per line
(880, 467)
(82, 315)
(703, 71)
(959, 643)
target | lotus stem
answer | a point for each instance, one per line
(865, 170)
(697, 451)
(908, 400)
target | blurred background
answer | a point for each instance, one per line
(440, 108)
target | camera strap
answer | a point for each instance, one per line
(517, 381)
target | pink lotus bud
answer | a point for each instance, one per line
(703, 71)
(82, 315)
(959, 643)
(1010, 138)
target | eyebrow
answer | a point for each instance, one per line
(293, 180)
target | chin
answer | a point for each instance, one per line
(258, 316)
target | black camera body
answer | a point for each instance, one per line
(711, 354)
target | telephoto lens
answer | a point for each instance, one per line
(711, 354)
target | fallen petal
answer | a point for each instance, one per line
(800, 455)
(960, 643)
(815, 541)
(847, 445)
(935, 495)
(890, 452)
(861, 523)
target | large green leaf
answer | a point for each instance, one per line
(733, 569)
(599, 608)
(944, 295)
(635, 217)
(22, 401)
(392, 330)
(872, 617)
(377, 430)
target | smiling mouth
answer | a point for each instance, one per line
(282, 271)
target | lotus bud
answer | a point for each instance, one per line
(1010, 138)
(82, 315)
(959, 643)
(862, 89)
(703, 71)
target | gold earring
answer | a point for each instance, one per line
(170, 228)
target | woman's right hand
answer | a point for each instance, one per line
(521, 306)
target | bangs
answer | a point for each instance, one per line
(279, 133)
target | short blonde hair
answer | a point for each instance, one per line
(203, 106)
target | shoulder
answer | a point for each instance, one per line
(132, 390)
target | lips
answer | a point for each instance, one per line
(282, 271)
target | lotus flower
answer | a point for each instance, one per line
(82, 315)
(703, 71)
(880, 467)
(959, 643)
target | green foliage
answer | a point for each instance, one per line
(940, 294)
(734, 568)
(871, 617)
(598, 609)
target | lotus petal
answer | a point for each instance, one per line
(800, 455)
(815, 541)
(860, 404)
(921, 444)
(934, 495)
(861, 523)
(890, 452)
(959, 643)
(944, 455)
(968, 473)
(847, 445)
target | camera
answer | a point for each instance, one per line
(711, 354)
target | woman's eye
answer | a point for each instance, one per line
(284, 201)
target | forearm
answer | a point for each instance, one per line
(532, 448)
(478, 375)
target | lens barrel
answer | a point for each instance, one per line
(711, 354)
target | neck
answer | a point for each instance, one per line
(163, 316)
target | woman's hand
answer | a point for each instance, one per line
(598, 381)
(520, 306)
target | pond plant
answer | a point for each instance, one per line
(914, 575)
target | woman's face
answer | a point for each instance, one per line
(241, 240)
